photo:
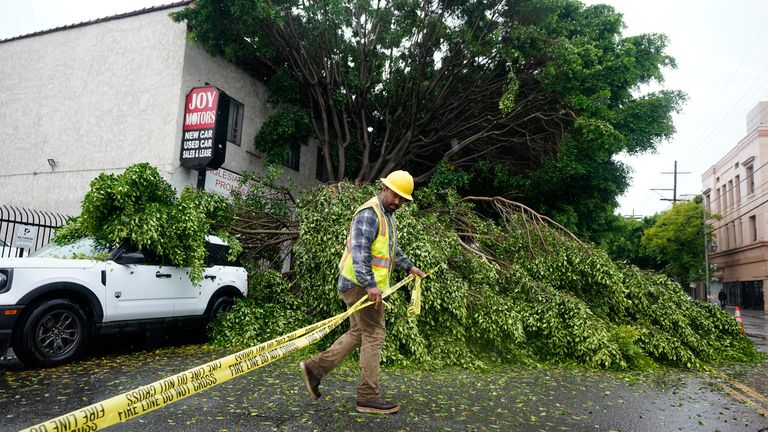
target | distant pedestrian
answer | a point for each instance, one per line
(723, 297)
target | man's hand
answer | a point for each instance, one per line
(374, 295)
(417, 272)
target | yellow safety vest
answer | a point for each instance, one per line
(382, 249)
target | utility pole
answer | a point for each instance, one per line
(706, 254)
(674, 185)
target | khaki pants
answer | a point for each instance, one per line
(367, 331)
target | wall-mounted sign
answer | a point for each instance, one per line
(223, 182)
(25, 236)
(204, 135)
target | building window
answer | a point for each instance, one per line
(753, 228)
(235, 122)
(320, 172)
(730, 192)
(739, 233)
(293, 158)
(707, 202)
(750, 171)
(724, 192)
(737, 190)
(718, 201)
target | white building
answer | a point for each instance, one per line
(736, 188)
(102, 95)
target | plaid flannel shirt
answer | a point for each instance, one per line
(363, 231)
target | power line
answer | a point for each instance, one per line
(757, 74)
(751, 199)
(746, 212)
(733, 74)
(717, 133)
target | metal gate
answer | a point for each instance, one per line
(745, 294)
(24, 230)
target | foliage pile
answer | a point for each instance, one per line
(141, 207)
(270, 310)
(514, 288)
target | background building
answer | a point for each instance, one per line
(102, 95)
(736, 188)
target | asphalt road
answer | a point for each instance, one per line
(274, 398)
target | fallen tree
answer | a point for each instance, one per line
(510, 285)
(514, 286)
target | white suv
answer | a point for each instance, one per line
(53, 301)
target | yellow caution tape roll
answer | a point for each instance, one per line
(152, 396)
(415, 307)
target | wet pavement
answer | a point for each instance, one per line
(548, 398)
(755, 326)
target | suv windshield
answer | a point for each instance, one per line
(82, 249)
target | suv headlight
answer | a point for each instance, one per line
(6, 276)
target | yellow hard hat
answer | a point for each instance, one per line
(401, 183)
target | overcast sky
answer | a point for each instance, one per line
(720, 47)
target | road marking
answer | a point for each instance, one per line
(741, 392)
(735, 394)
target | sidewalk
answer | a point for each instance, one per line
(755, 326)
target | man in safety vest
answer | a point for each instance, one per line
(364, 270)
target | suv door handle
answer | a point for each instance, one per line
(211, 277)
(162, 275)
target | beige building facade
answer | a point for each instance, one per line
(736, 189)
(102, 95)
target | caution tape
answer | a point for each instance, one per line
(152, 396)
(414, 308)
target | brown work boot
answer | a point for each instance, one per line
(378, 406)
(310, 380)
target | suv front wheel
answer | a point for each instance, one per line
(220, 305)
(51, 333)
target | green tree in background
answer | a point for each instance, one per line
(622, 241)
(677, 241)
(533, 98)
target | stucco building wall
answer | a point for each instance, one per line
(102, 96)
(736, 189)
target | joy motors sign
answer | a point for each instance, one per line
(204, 137)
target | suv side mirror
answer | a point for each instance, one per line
(130, 258)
